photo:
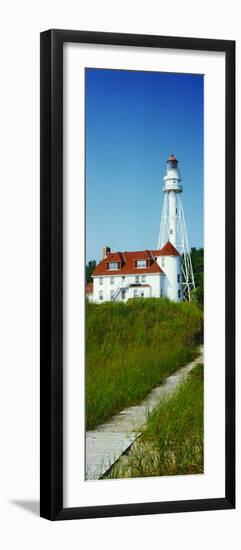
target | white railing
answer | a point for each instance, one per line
(113, 298)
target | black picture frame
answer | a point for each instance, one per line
(51, 324)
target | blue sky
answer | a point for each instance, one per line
(134, 121)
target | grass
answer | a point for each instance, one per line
(172, 441)
(131, 347)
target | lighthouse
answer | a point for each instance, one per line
(173, 226)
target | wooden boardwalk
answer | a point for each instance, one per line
(106, 443)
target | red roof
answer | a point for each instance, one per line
(127, 261)
(167, 250)
(89, 288)
(127, 264)
(138, 285)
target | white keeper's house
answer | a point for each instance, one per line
(144, 274)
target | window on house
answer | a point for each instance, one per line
(171, 231)
(112, 280)
(141, 263)
(123, 278)
(163, 262)
(101, 295)
(137, 279)
(123, 294)
(113, 265)
(142, 294)
(101, 280)
(112, 292)
(179, 294)
(143, 278)
(135, 293)
(178, 278)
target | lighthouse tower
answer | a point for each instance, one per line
(173, 226)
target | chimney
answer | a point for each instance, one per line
(105, 252)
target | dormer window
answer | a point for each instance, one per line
(141, 264)
(113, 265)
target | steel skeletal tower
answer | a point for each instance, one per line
(173, 226)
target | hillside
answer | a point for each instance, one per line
(131, 347)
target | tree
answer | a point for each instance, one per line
(197, 257)
(89, 268)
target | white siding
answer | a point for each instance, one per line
(155, 280)
(172, 268)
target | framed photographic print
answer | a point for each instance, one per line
(137, 274)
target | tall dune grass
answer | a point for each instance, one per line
(172, 440)
(131, 347)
